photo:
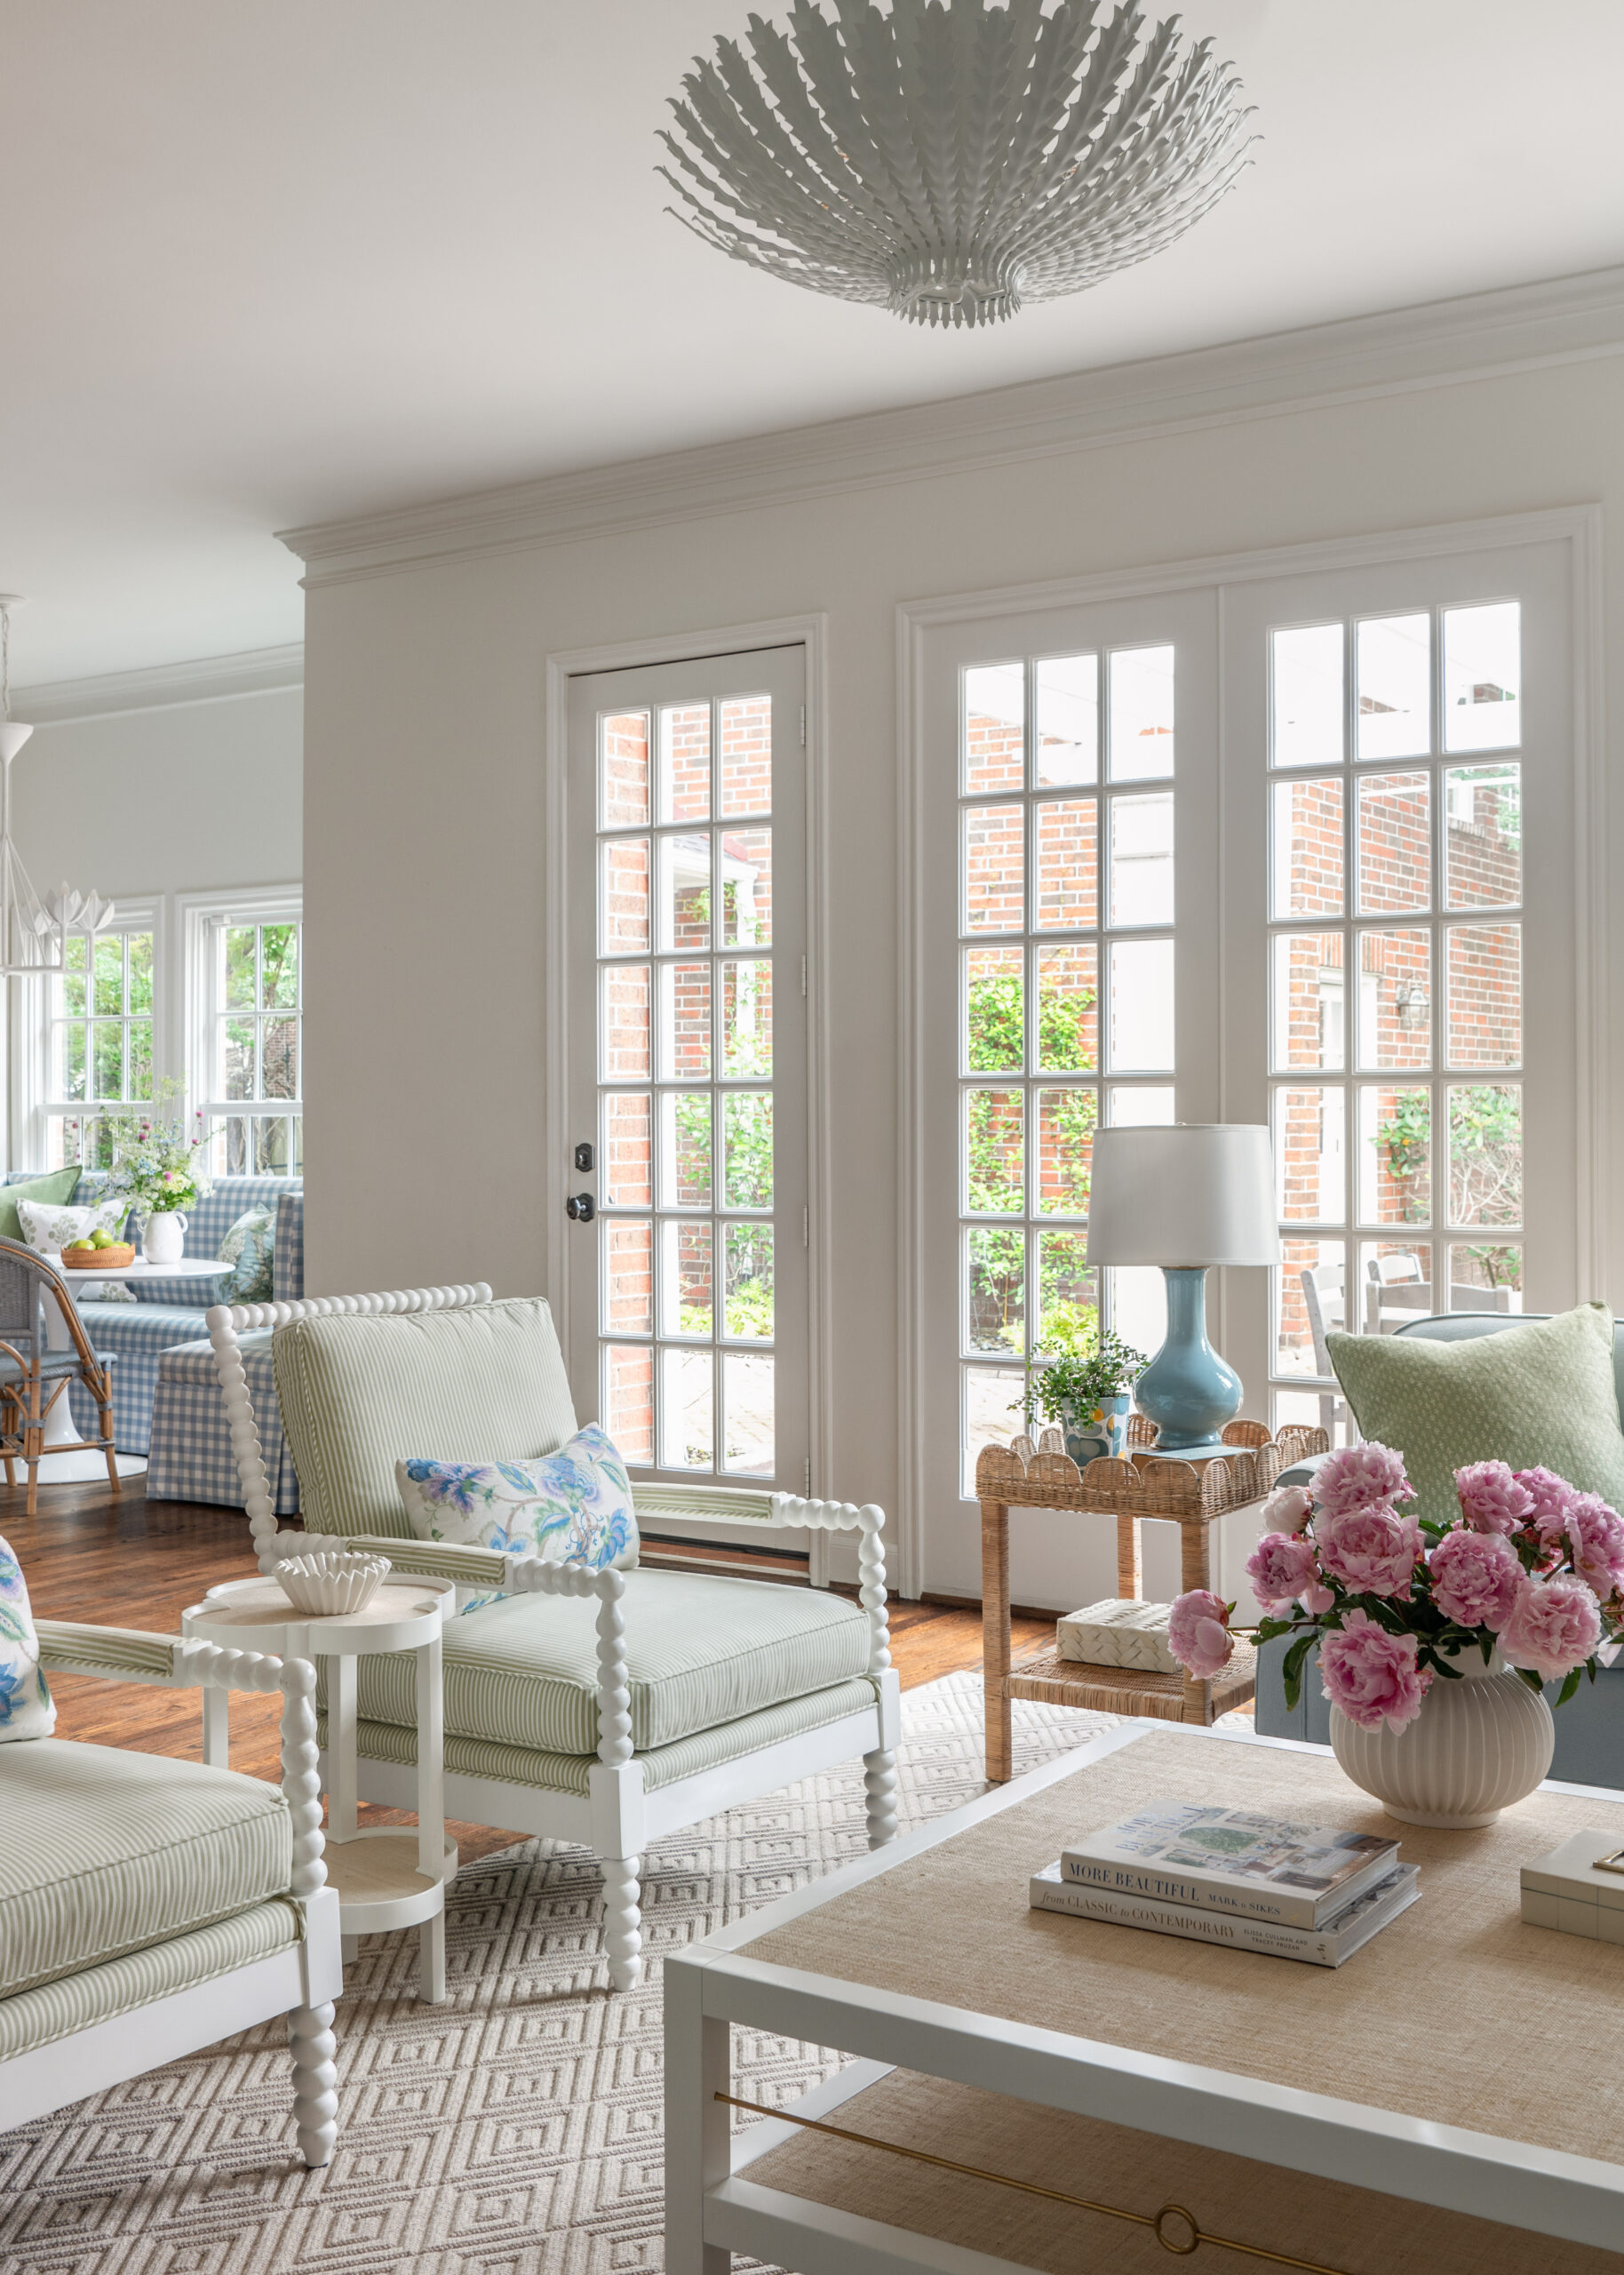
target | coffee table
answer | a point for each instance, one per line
(1446, 2101)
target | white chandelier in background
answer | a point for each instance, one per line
(33, 933)
(948, 160)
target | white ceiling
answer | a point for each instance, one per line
(268, 265)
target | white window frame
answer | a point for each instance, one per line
(34, 1103)
(202, 916)
(939, 1545)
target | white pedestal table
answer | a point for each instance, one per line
(80, 1468)
(387, 1876)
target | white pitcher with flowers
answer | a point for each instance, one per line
(156, 1167)
(1435, 1642)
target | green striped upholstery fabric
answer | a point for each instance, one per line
(68, 1647)
(107, 1851)
(438, 1560)
(726, 1504)
(569, 1773)
(482, 1383)
(96, 1994)
(700, 1651)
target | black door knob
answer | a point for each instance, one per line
(581, 1207)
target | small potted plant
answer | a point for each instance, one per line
(155, 1166)
(1087, 1387)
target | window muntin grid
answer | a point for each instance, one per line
(686, 1088)
(1396, 910)
(255, 1048)
(99, 1044)
(1065, 895)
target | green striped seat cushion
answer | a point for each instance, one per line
(96, 1994)
(106, 1852)
(571, 1773)
(700, 1651)
(482, 1383)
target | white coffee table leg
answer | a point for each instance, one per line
(697, 2154)
(431, 1816)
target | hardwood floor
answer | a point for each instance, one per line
(123, 1561)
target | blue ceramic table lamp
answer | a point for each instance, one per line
(1184, 1197)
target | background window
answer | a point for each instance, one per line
(99, 1043)
(251, 1084)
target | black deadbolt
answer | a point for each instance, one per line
(583, 1157)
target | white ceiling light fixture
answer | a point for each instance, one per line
(33, 933)
(948, 160)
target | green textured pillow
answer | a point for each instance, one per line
(249, 1248)
(1542, 1395)
(55, 1191)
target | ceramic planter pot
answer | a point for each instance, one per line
(1095, 1432)
(1476, 1747)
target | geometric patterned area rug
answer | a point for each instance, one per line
(514, 2130)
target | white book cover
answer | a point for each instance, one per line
(1343, 1934)
(1230, 1860)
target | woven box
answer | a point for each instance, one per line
(1566, 1891)
(1120, 1631)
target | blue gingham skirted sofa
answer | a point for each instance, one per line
(166, 1403)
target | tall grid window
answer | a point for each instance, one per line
(251, 1023)
(1396, 995)
(686, 1084)
(1066, 993)
(99, 1044)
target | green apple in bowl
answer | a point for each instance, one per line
(76, 1248)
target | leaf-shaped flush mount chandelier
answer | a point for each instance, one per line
(947, 159)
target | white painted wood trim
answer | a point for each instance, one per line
(163, 687)
(821, 2240)
(1524, 328)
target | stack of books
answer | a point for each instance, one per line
(1229, 1876)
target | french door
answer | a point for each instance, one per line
(687, 1249)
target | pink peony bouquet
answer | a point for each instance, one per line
(1532, 1567)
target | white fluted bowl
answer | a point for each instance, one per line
(330, 1580)
(1476, 1747)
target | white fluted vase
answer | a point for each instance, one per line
(1476, 1747)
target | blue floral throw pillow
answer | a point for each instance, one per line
(571, 1507)
(27, 1709)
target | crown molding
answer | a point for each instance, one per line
(163, 686)
(1523, 328)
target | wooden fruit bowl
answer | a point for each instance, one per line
(118, 1259)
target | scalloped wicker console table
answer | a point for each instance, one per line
(1192, 1493)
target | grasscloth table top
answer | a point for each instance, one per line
(1457, 2012)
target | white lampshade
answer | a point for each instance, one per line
(1197, 1193)
(13, 734)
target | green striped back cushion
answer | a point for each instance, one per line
(481, 1383)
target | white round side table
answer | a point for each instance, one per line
(387, 1876)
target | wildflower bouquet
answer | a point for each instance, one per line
(155, 1164)
(1532, 1567)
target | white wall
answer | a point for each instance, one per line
(176, 799)
(425, 812)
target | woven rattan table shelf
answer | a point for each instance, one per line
(1192, 1493)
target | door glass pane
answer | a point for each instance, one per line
(1485, 994)
(1141, 860)
(994, 728)
(994, 869)
(1142, 1006)
(747, 1414)
(1141, 714)
(1310, 1154)
(628, 1277)
(686, 1253)
(1068, 740)
(746, 1019)
(995, 1152)
(996, 1293)
(685, 1022)
(1306, 695)
(1395, 999)
(687, 1408)
(1066, 1120)
(1485, 1154)
(623, 1025)
(628, 1153)
(749, 1295)
(1067, 1292)
(1311, 1011)
(1139, 1306)
(628, 1400)
(1486, 1276)
(1482, 678)
(1482, 842)
(685, 1149)
(1068, 874)
(746, 737)
(1394, 1284)
(685, 763)
(746, 888)
(747, 1140)
(1395, 1155)
(623, 770)
(994, 1011)
(623, 900)
(1395, 686)
(1144, 1106)
(992, 1416)
(1309, 1306)
(1307, 878)
(1068, 1008)
(1394, 842)
(684, 926)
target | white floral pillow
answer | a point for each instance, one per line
(27, 1709)
(571, 1507)
(49, 1230)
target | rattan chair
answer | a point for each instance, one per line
(34, 1374)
